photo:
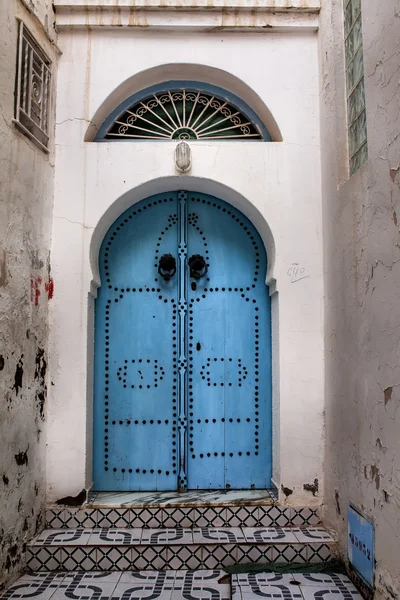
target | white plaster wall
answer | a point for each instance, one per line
(277, 185)
(26, 193)
(362, 275)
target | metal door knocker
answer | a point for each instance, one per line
(198, 266)
(167, 266)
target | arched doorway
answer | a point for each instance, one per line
(182, 349)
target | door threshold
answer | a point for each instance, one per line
(185, 499)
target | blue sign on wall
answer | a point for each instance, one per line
(360, 545)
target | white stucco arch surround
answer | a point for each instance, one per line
(173, 183)
(276, 185)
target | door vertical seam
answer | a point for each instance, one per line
(182, 328)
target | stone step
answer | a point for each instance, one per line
(181, 585)
(150, 516)
(113, 549)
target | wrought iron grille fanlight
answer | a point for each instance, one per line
(183, 115)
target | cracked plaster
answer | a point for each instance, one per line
(362, 279)
(26, 187)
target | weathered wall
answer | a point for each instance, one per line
(26, 184)
(362, 278)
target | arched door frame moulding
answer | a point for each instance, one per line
(183, 72)
(132, 197)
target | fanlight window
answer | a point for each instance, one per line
(183, 114)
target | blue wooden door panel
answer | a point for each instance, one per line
(182, 366)
(135, 392)
(229, 400)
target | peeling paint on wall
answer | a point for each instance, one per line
(26, 197)
(362, 279)
(19, 373)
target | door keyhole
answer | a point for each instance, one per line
(198, 346)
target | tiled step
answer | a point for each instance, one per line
(182, 516)
(158, 549)
(181, 585)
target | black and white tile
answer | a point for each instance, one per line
(210, 584)
(267, 535)
(218, 535)
(63, 537)
(114, 537)
(178, 536)
(319, 586)
(182, 516)
(312, 534)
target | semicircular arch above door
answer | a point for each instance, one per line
(183, 110)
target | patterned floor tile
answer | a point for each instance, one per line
(289, 553)
(119, 517)
(277, 592)
(185, 557)
(322, 579)
(312, 534)
(55, 518)
(179, 517)
(305, 516)
(146, 517)
(215, 535)
(129, 591)
(203, 584)
(35, 585)
(147, 557)
(84, 591)
(327, 593)
(262, 554)
(44, 559)
(93, 576)
(203, 577)
(148, 577)
(219, 556)
(242, 516)
(79, 558)
(80, 518)
(317, 553)
(167, 536)
(259, 580)
(156, 585)
(114, 558)
(265, 535)
(214, 516)
(274, 516)
(108, 537)
(62, 537)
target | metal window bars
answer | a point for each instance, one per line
(183, 114)
(32, 98)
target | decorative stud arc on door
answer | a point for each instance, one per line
(179, 110)
(182, 371)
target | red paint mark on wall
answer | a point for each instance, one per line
(36, 282)
(49, 287)
(36, 289)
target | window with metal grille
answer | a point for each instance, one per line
(32, 97)
(356, 113)
(192, 111)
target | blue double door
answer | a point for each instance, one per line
(182, 349)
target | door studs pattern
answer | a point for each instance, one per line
(141, 374)
(242, 372)
(208, 372)
(122, 372)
